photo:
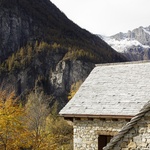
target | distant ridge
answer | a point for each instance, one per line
(135, 44)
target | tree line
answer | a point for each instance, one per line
(26, 55)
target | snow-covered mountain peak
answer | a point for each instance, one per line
(121, 42)
(122, 45)
(134, 44)
(147, 30)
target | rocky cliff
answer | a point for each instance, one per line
(24, 21)
(54, 80)
(40, 46)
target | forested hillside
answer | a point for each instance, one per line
(40, 46)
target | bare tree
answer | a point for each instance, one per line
(37, 111)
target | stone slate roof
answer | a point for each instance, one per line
(120, 89)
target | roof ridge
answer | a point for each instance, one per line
(123, 63)
(127, 127)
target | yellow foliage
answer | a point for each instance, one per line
(42, 46)
(31, 127)
(55, 45)
(10, 62)
(60, 132)
(74, 88)
(80, 54)
(12, 130)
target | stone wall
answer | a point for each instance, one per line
(138, 138)
(86, 131)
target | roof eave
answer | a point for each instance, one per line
(97, 116)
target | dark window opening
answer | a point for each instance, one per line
(103, 140)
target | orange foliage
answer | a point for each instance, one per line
(12, 131)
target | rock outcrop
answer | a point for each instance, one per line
(54, 80)
(16, 28)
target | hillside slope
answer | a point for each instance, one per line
(41, 47)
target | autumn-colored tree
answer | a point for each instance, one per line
(10, 62)
(55, 45)
(42, 46)
(29, 52)
(60, 133)
(37, 111)
(13, 133)
(32, 127)
(22, 53)
(48, 132)
(74, 88)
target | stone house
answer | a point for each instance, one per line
(112, 108)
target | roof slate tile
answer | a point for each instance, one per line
(114, 89)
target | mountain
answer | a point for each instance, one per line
(135, 44)
(40, 47)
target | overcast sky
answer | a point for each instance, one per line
(106, 17)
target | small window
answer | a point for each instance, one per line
(103, 140)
